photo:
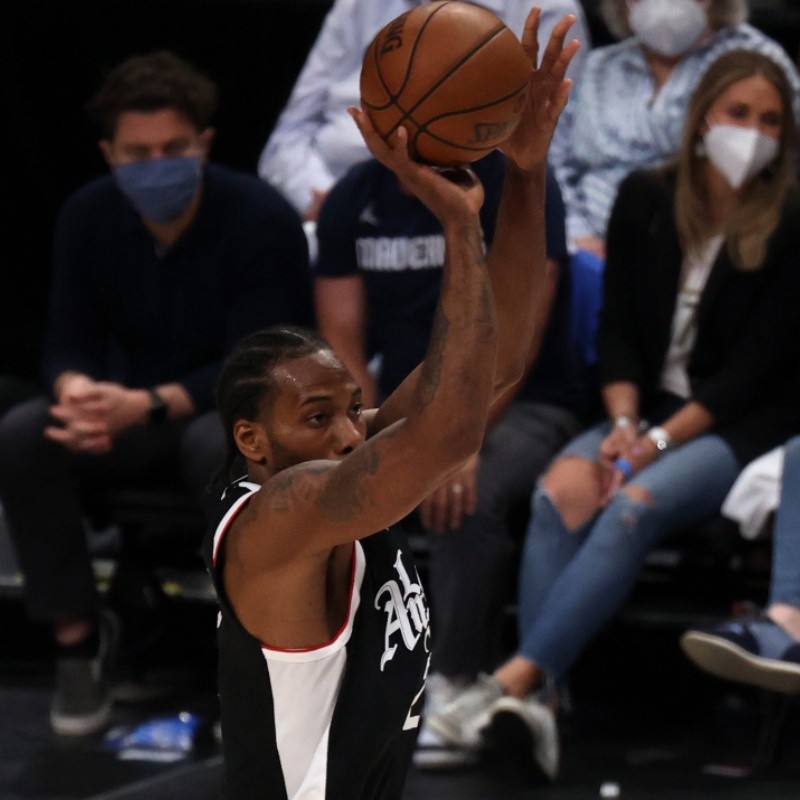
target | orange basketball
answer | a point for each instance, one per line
(452, 74)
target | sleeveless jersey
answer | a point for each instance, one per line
(334, 722)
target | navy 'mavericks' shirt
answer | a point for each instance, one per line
(369, 226)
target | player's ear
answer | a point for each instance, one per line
(252, 441)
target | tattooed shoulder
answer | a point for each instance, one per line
(292, 489)
(348, 493)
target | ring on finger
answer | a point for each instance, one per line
(457, 488)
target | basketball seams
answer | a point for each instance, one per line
(463, 60)
(470, 119)
(379, 73)
(414, 47)
(423, 129)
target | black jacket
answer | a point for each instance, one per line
(745, 365)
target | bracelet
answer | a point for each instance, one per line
(625, 467)
(661, 439)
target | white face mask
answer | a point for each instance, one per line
(739, 153)
(668, 27)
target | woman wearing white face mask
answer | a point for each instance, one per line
(700, 336)
(628, 108)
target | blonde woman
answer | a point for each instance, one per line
(628, 108)
(698, 337)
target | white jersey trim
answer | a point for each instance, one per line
(225, 522)
(305, 687)
(342, 636)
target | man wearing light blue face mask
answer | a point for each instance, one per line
(159, 268)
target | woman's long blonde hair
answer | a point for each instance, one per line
(722, 14)
(759, 209)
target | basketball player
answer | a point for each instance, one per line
(323, 637)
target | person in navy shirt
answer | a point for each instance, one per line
(159, 268)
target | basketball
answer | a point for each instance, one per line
(452, 74)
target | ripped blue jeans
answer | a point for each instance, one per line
(572, 582)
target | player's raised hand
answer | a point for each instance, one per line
(452, 195)
(548, 92)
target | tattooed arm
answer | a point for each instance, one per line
(309, 508)
(517, 259)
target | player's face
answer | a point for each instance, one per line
(147, 135)
(316, 413)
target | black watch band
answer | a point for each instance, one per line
(158, 408)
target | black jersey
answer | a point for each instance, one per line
(334, 722)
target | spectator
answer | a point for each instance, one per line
(314, 141)
(697, 350)
(631, 100)
(159, 268)
(763, 647)
(627, 114)
(377, 281)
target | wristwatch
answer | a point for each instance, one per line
(661, 439)
(158, 408)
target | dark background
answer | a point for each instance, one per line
(55, 53)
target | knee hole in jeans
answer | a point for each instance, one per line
(572, 486)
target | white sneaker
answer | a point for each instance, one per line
(462, 720)
(527, 728)
(441, 690)
(432, 751)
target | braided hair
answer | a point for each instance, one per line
(246, 380)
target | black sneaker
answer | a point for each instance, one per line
(82, 701)
(752, 650)
(526, 730)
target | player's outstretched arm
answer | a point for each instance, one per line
(309, 508)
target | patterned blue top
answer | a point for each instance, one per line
(614, 123)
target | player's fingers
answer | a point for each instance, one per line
(530, 35)
(556, 43)
(559, 101)
(461, 176)
(551, 80)
(372, 138)
(561, 65)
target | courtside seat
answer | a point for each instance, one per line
(156, 550)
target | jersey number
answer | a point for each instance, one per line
(412, 719)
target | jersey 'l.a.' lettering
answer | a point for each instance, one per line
(406, 611)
